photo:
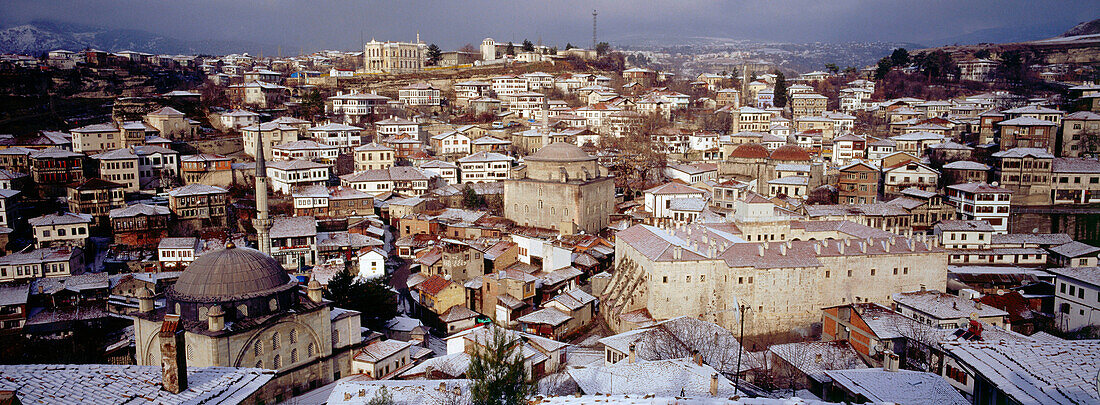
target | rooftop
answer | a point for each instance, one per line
(118, 384)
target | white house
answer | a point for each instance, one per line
(980, 201)
(1076, 297)
(451, 143)
(658, 200)
(692, 173)
(238, 119)
(484, 167)
(446, 170)
(344, 137)
(372, 263)
(287, 175)
(305, 150)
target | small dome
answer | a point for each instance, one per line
(560, 152)
(230, 274)
(749, 151)
(791, 153)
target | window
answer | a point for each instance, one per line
(293, 336)
(257, 348)
(276, 362)
(275, 341)
(849, 273)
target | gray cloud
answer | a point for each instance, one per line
(340, 24)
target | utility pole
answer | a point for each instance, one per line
(593, 29)
(741, 343)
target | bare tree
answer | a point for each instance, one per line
(686, 337)
(920, 340)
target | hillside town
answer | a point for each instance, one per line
(392, 222)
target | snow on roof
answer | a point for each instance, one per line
(1075, 165)
(117, 384)
(944, 306)
(813, 358)
(574, 299)
(361, 391)
(1049, 373)
(1089, 275)
(61, 218)
(380, 350)
(453, 365)
(671, 377)
(956, 225)
(546, 316)
(902, 386)
(1024, 152)
(679, 337)
(286, 227)
(1031, 239)
(674, 188)
(966, 165)
(139, 209)
(1075, 249)
(196, 189)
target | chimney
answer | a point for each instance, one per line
(173, 358)
(978, 304)
(840, 247)
(630, 358)
(886, 246)
(313, 291)
(890, 361)
(145, 300)
(677, 252)
(714, 384)
(697, 357)
(817, 357)
(760, 249)
(817, 248)
(923, 288)
(215, 319)
(782, 249)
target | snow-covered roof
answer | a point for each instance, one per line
(944, 306)
(361, 391)
(117, 384)
(1028, 373)
(814, 358)
(901, 387)
(660, 377)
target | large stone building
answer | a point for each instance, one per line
(237, 307)
(394, 57)
(708, 271)
(562, 188)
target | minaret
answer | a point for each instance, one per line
(262, 223)
(545, 120)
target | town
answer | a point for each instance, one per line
(515, 222)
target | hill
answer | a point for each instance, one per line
(1085, 28)
(42, 36)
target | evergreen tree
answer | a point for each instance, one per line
(511, 49)
(883, 68)
(434, 54)
(779, 96)
(470, 199)
(528, 46)
(899, 58)
(569, 46)
(373, 298)
(602, 48)
(832, 68)
(496, 371)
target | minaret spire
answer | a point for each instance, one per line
(262, 223)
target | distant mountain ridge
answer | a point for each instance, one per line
(1085, 28)
(42, 36)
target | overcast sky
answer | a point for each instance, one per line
(339, 24)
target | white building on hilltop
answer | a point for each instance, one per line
(394, 57)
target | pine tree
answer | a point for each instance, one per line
(779, 97)
(569, 46)
(434, 54)
(511, 49)
(497, 373)
(528, 46)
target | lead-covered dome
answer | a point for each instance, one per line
(560, 152)
(749, 151)
(791, 153)
(230, 274)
